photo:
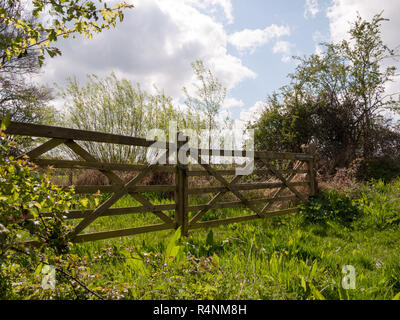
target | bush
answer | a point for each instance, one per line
(330, 206)
(385, 168)
(380, 203)
(25, 194)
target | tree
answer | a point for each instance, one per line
(338, 95)
(116, 106)
(25, 38)
(69, 17)
(208, 98)
(25, 195)
(21, 100)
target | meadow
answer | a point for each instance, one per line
(298, 256)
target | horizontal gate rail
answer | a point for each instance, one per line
(247, 186)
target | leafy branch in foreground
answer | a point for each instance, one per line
(32, 207)
(68, 17)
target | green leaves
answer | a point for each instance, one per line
(330, 206)
(5, 122)
(174, 250)
(83, 13)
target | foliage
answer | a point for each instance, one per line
(26, 195)
(283, 128)
(335, 99)
(20, 99)
(209, 95)
(28, 32)
(206, 101)
(68, 18)
(117, 106)
(278, 258)
(381, 205)
(330, 205)
(385, 168)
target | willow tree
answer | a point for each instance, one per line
(117, 106)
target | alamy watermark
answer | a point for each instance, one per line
(349, 280)
(207, 147)
(49, 277)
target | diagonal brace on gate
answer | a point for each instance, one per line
(124, 190)
(285, 184)
(229, 186)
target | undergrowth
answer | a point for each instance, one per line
(291, 257)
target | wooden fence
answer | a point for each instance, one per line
(280, 178)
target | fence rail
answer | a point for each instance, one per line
(282, 178)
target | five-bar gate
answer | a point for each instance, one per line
(279, 179)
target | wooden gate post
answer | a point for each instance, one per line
(312, 176)
(181, 181)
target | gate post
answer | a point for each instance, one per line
(311, 150)
(181, 182)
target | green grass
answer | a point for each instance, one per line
(291, 257)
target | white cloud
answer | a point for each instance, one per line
(249, 40)
(155, 44)
(251, 114)
(318, 37)
(285, 48)
(232, 103)
(211, 5)
(311, 8)
(344, 12)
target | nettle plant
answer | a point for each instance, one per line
(25, 195)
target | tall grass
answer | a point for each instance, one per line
(279, 258)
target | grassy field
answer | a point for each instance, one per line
(300, 256)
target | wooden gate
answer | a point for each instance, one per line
(289, 178)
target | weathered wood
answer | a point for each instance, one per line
(121, 232)
(114, 188)
(88, 157)
(284, 181)
(237, 204)
(257, 154)
(45, 147)
(109, 202)
(79, 214)
(231, 188)
(225, 221)
(152, 208)
(74, 164)
(117, 180)
(269, 155)
(182, 171)
(283, 187)
(312, 176)
(246, 186)
(213, 201)
(181, 194)
(39, 130)
(198, 172)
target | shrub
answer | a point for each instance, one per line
(25, 194)
(380, 204)
(385, 168)
(330, 205)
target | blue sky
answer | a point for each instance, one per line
(247, 44)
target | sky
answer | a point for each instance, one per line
(248, 44)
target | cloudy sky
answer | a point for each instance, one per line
(248, 44)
